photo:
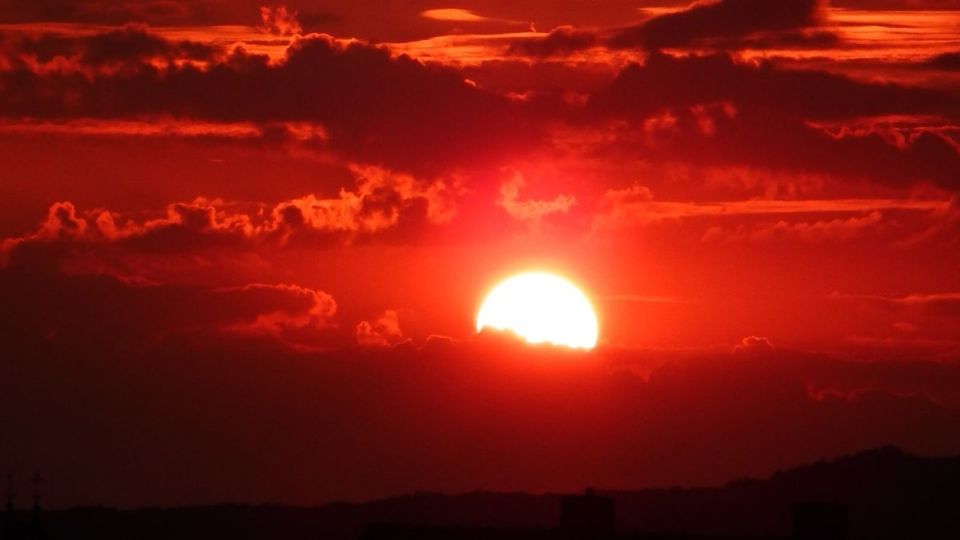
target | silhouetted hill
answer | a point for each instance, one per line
(889, 494)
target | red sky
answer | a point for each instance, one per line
(243, 244)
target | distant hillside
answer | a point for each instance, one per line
(889, 494)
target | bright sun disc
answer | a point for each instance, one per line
(541, 308)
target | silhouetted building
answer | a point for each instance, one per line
(819, 521)
(586, 516)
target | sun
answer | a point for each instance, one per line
(541, 308)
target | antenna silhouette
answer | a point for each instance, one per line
(9, 493)
(37, 480)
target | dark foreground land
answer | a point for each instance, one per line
(883, 493)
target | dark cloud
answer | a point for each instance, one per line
(400, 112)
(381, 332)
(945, 305)
(724, 25)
(98, 11)
(133, 44)
(560, 41)
(316, 20)
(382, 109)
(664, 81)
(790, 39)
(763, 115)
(934, 379)
(946, 61)
(383, 204)
(898, 4)
(940, 305)
(724, 19)
(279, 21)
(99, 310)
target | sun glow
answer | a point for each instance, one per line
(541, 308)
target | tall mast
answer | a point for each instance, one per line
(9, 493)
(37, 480)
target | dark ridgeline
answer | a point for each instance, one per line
(882, 493)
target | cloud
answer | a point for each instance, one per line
(93, 309)
(784, 39)
(949, 61)
(381, 202)
(712, 110)
(927, 323)
(899, 4)
(387, 109)
(667, 81)
(720, 24)
(453, 14)
(131, 47)
(754, 345)
(835, 230)
(723, 19)
(431, 120)
(635, 205)
(560, 41)
(167, 127)
(382, 332)
(96, 11)
(530, 210)
(62, 222)
(826, 230)
(196, 16)
(935, 380)
(300, 322)
(279, 21)
(945, 228)
(946, 304)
